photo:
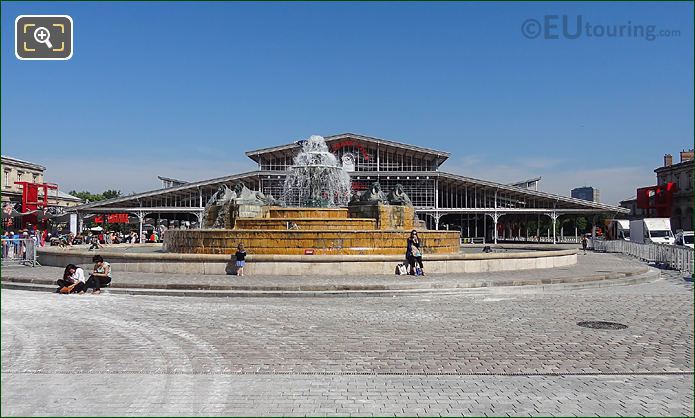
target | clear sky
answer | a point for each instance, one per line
(183, 89)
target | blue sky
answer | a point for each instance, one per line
(183, 89)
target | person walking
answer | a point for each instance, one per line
(15, 245)
(240, 259)
(585, 242)
(414, 254)
(6, 240)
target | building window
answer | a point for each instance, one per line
(34, 177)
(6, 180)
(19, 176)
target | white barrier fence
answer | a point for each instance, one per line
(676, 257)
(19, 252)
(523, 240)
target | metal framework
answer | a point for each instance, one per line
(478, 208)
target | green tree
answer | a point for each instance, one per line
(582, 224)
(88, 196)
(110, 194)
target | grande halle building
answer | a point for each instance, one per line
(477, 208)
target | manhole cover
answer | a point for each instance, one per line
(601, 325)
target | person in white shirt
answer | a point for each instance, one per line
(73, 280)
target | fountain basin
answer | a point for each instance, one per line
(293, 213)
(299, 242)
(352, 224)
(125, 260)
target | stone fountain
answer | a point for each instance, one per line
(318, 214)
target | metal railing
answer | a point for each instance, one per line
(522, 240)
(21, 251)
(676, 257)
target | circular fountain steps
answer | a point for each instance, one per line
(154, 261)
(588, 274)
(293, 213)
(304, 224)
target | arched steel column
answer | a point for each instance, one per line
(553, 217)
(199, 216)
(141, 219)
(495, 217)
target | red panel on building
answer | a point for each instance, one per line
(359, 185)
(348, 143)
(30, 199)
(118, 218)
(657, 200)
(113, 218)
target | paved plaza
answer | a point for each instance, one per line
(429, 354)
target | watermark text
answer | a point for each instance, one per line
(575, 27)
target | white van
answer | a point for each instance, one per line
(620, 229)
(651, 230)
(685, 238)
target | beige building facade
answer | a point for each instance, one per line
(15, 170)
(680, 173)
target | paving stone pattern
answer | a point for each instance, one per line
(467, 354)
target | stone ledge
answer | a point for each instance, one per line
(302, 265)
(641, 275)
(297, 258)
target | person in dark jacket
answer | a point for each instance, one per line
(240, 259)
(413, 253)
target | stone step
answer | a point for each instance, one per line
(352, 290)
(353, 224)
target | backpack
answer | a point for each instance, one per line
(67, 289)
(400, 269)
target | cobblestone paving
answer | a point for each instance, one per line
(422, 355)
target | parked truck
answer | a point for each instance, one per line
(651, 230)
(618, 229)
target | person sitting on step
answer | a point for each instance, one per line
(73, 280)
(101, 276)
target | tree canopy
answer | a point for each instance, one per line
(91, 197)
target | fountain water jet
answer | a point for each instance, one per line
(316, 179)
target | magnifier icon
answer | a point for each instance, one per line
(43, 36)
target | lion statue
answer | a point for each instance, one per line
(217, 207)
(374, 194)
(398, 197)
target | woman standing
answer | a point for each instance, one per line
(414, 254)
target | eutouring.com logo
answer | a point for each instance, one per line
(575, 27)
